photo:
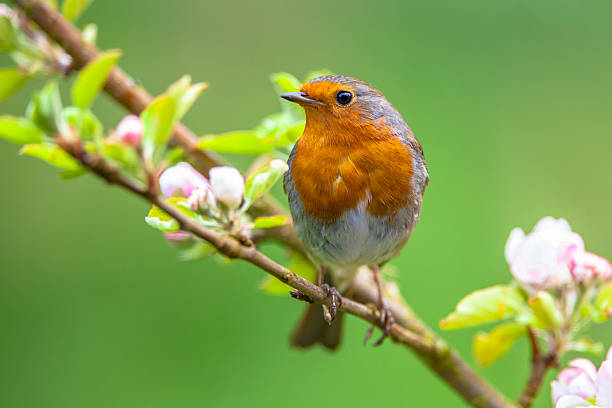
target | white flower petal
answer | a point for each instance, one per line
(227, 185)
(180, 180)
(586, 366)
(572, 401)
(516, 238)
(604, 385)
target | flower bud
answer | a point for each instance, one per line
(586, 266)
(201, 198)
(130, 130)
(181, 180)
(227, 185)
(178, 237)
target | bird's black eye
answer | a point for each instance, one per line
(344, 97)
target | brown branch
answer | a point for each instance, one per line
(121, 87)
(408, 329)
(540, 363)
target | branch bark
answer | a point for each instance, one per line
(407, 330)
(539, 367)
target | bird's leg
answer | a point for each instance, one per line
(335, 299)
(385, 314)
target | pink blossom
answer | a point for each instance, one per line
(227, 185)
(181, 180)
(579, 383)
(578, 379)
(537, 259)
(130, 130)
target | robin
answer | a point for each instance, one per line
(355, 186)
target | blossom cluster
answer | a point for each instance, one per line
(552, 255)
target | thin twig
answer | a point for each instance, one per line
(540, 363)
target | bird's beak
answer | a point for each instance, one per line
(299, 97)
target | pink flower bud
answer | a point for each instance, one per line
(227, 185)
(178, 237)
(537, 259)
(586, 266)
(130, 130)
(180, 180)
(201, 198)
(578, 379)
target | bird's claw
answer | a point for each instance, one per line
(335, 301)
(387, 319)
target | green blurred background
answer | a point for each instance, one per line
(511, 101)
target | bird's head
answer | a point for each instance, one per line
(342, 108)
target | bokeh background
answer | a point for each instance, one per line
(511, 101)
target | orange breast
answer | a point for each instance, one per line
(334, 169)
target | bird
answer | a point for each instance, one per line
(355, 187)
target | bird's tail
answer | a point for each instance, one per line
(313, 329)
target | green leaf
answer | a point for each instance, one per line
(270, 222)
(297, 264)
(486, 305)
(586, 345)
(277, 126)
(490, 347)
(72, 9)
(53, 155)
(45, 110)
(261, 181)
(185, 94)
(8, 35)
(157, 119)
(122, 154)
(603, 302)
(181, 204)
(174, 155)
(19, 130)
(72, 174)
(239, 142)
(11, 80)
(161, 220)
(285, 82)
(90, 34)
(197, 251)
(93, 77)
(545, 309)
(84, 122)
